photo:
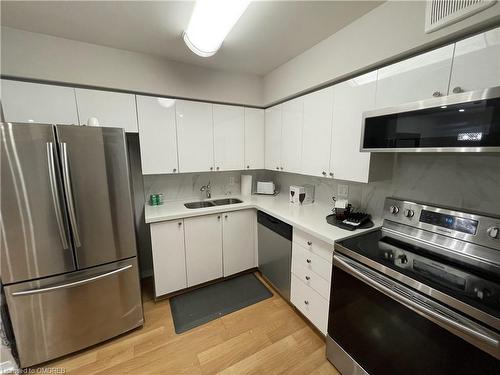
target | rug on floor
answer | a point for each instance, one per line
(192, 309)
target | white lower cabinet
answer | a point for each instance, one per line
(238, 230)
(203, 237)
(169, 256)
(311, 279)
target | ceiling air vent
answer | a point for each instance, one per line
(441, 13)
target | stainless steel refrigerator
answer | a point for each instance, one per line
(68, 251)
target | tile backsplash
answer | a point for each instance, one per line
(469, 181)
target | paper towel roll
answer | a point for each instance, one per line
(246, 185)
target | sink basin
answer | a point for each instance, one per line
(216, 202)
(221, 202)
(201, 204)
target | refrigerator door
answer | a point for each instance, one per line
(34, 231)
(97, 186)
(59, 315)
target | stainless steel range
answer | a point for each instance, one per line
(420, 295)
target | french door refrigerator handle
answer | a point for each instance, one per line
(441, 319)
(69, 194)
(55, 195)
(72, 284)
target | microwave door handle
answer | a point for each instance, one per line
(439, 318)
(71, 284)
(55, 195)
(69, 194)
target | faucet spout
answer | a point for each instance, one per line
(206, 188)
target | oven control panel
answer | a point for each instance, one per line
(472, 227)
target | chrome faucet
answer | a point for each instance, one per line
(206, 189)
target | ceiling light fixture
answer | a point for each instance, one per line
(210, 23)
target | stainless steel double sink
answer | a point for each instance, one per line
(214, 203)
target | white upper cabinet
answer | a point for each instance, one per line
(33, 102)
(420, 77)
(112, 109)
(273, 138)
(291, 135)
(316, 133)
(238, 241)
(157, 135)
(476, 63)
(350, 100)
(254, 138)
(229, 137)
(195, 136)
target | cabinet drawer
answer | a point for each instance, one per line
(311, 279)
(318, 247)
(311, 262)
(310, 303)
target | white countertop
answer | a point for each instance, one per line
(309, 218)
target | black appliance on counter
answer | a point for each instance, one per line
(421, 295)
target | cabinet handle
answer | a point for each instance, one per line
(211, 168)
(225, 216)
(306, 302)
(308, 260)
(217, 168)
(281, 168)
(278, 168)
(331, 174)
(436, 94)
(323, 173)
(175, 170)
(309, 243)
(218, 217)
(457, 90)
(248, 167)
(308, 278)
(179, 223)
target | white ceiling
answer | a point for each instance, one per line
(267, 35)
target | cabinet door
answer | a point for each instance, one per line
(157, 135)
(273, 138)
(169, 257)
(476, 63)
(291, 135)
(195, 136)
(420, 77)
(238, 234)
(317, 131)
(229, 137)
(33, 102)
(254, 138)
(203, 236)
(112, 109)
(350, 100)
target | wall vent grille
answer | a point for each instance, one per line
(441, 13)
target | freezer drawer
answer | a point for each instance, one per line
(59, 315)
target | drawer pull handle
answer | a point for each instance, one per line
(306, 302)
(308, 278)
(179, 223)
(309, 243)
(308, 260)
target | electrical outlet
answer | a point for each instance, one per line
(231, 180)
(343, 191)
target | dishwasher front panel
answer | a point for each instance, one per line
(275, 258)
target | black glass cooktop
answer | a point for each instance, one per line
(474, 286)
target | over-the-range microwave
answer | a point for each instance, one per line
(466, 122)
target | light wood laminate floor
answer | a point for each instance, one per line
(265, 338)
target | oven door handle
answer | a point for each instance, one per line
(438, 318)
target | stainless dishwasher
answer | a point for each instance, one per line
(275, 252)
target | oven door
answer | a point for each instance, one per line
(378, 326)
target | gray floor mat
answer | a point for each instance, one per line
(202, 305)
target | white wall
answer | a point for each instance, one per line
(43, 57)
(392, 30)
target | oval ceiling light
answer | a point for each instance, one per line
(210, 23)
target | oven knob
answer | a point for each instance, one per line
(482, 293)
(403, 259)
(493, 232)
(388, 255)
(394, 210)
(409, 213)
